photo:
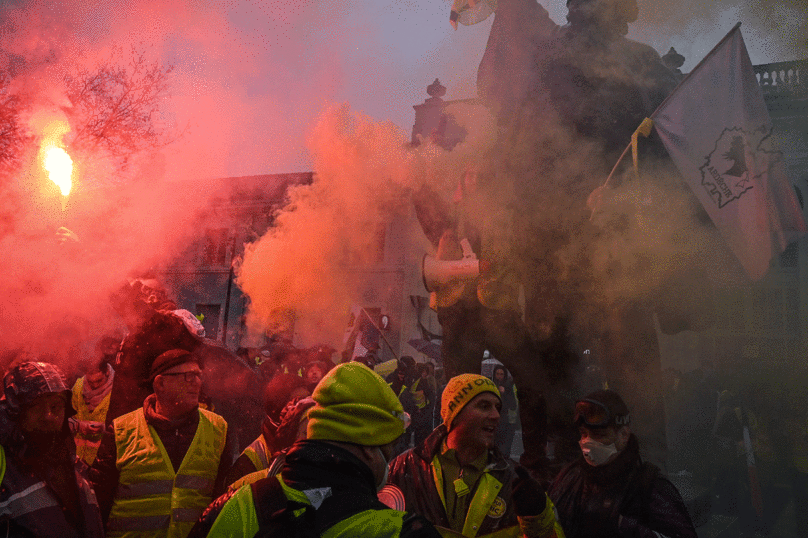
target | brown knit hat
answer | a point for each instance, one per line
(170, 359)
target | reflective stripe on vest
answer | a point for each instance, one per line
(29, 500)
(153, 500)
(157, 487)
(400, 392)
(258, 453)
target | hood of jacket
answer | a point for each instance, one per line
(21, 386)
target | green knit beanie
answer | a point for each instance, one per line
(353, 404)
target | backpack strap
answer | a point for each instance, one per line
(648, 475)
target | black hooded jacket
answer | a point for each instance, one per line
(311, 465)
(623, 498)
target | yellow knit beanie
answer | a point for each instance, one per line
(353, 404)
(459, 391)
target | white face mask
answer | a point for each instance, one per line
(596, 453)
(381, 484)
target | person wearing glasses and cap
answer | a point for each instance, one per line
(609, 491)
(160, 466)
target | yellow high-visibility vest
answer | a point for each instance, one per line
(418, 396)
(152, 499)
(87, 444)
(259, 453)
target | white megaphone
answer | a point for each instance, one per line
(440, 273)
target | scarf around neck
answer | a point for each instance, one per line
(93, 397)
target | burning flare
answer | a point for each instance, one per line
(60, 167)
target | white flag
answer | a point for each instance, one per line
(362, 334)
(718, 132)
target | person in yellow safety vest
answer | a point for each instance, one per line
(160, 466)
(281, 389)
(293, 427)
(329, 484)
(423, 398)
(458, 479)
(91, 395)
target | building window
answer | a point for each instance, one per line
(215, 249)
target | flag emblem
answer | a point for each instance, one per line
(738, 162)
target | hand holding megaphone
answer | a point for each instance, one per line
(468, 252)
(442, 273)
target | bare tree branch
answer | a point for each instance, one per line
(13, 137)
(116, 106)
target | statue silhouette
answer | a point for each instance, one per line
(736, 153)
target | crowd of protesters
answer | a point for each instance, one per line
(161, 434)
(327, 462)
(340, 451)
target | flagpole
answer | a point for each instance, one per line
(698, 65)
(605, 183)
(706, 57)
(380, 332)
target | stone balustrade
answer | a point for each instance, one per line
(783, 78)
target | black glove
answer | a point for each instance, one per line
(528, 496)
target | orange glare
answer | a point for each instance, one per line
(60, 167)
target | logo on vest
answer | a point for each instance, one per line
(498, 508)
(740, 159)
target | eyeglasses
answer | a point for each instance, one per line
(189, 376)
(596, 415)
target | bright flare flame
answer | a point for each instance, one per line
(60, 167)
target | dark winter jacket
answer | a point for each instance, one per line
(42, 493)
(625, 498)
(311, 466)
(412, 472)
